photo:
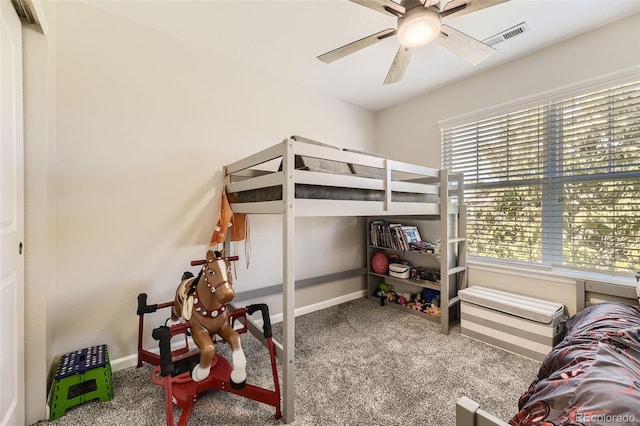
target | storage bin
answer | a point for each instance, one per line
(520, 324)
(399, 270)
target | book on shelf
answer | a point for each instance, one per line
(398, 237)
(374, 232)
(385, 234)
(423, 246)
(395, 229)
(410, 235)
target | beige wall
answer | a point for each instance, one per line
(404, 132)
(124, 177)
(145, 123)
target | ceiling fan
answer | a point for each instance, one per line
(419, 23)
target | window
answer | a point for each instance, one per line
(555, 181)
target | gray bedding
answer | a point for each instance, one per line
(317, 192)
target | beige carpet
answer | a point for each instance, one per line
(356, 364)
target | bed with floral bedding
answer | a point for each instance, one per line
(592, 377)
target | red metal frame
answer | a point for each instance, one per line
(181, 390)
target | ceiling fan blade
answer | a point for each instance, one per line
(457, 8)
(350, 48)
(399, 65)
(465, 46)
(387, 7)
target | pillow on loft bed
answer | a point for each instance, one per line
(368, 171)
(303, 162)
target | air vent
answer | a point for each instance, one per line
(507, 34)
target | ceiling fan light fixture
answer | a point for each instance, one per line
(418, 26)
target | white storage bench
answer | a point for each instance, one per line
(519, 324)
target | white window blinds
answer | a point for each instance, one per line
(555, 182)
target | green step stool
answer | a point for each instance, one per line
(81, 376)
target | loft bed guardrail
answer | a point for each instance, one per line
(365, 185)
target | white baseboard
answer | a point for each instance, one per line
(132, 360)
(125, 362)
(321, 305)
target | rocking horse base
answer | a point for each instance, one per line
(182, 391)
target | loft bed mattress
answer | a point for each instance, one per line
(319, 192)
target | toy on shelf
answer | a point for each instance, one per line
(203, 304)
(427, 301)
(380, 263)
(386, 292)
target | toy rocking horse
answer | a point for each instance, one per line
(203, 300)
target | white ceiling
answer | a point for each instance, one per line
(284, 38)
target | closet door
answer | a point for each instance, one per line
(12, 398)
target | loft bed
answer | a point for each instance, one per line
(312, 176)
(300, 177)
(592, 376)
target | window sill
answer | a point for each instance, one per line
(561, 275)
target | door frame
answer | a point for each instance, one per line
(32, 22)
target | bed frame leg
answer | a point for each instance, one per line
(466, 412)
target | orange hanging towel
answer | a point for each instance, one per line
(224, 221)
(236, 223)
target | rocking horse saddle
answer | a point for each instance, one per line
(185, 293)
